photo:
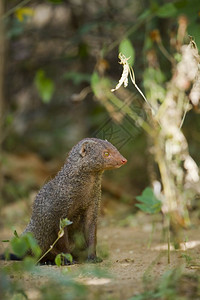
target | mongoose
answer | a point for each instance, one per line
(74, 193)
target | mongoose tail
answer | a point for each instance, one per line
(11, 256)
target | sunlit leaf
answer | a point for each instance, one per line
(58, 260)
(68, 256)
(94, 82)
(126, 48)
(44, 85)
(193, 30)
(24, 12)
(149, 202)
(167, 10)
(19, 246)
(61, 257)
(33, 245)
(28, 263)
(77, 77)
(65, 222)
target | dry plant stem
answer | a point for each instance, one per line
(150, 267)
(168, 189)
(139, 90)
(165, 177)
(2, 66)
(128, 111)
(184, 115)
(151, 235)
(168, 240)
(169, 196)
(166, 53)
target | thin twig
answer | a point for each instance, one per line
(2, 70)
(168, 241)
(165, 52)
(184, 115)
(139, 90)
(128, 32)
(50, 248)
(13, 9)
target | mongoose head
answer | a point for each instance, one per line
(93, 155)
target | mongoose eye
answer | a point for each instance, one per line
(106, 153)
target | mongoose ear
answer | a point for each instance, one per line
(83, 150)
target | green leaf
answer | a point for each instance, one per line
(94, 82)
(44, 85)
(7, 254)
(143, 207)
(55, 1)
(167, 10)
(15, 233)
(58, 260)
(95, 78)
(193, 30)
(149, 202)
(28, 263)
(77, 77)
(126, 48)
(19, 246)
(16, 29)
(32, 244)
(64, 222)
(144, 14)
(23, 13)
(183, 3)
(68, 256)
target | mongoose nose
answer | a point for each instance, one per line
(124, 161)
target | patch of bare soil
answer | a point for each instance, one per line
(134, 254)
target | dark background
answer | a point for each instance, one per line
(52, 49)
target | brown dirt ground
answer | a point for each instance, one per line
(126, 243)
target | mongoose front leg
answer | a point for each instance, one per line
(90, 223)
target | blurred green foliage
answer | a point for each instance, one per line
(44, 85)
(20, 245)
(148, 202)
(172, 285)
(58, 51)
(59, 260)
(77, 77)
(126, 48)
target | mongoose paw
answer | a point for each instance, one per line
(94, 259)
(47, 263)
(66, 262)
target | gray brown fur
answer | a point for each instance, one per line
(74, 193)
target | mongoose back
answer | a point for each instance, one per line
(74, 193)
